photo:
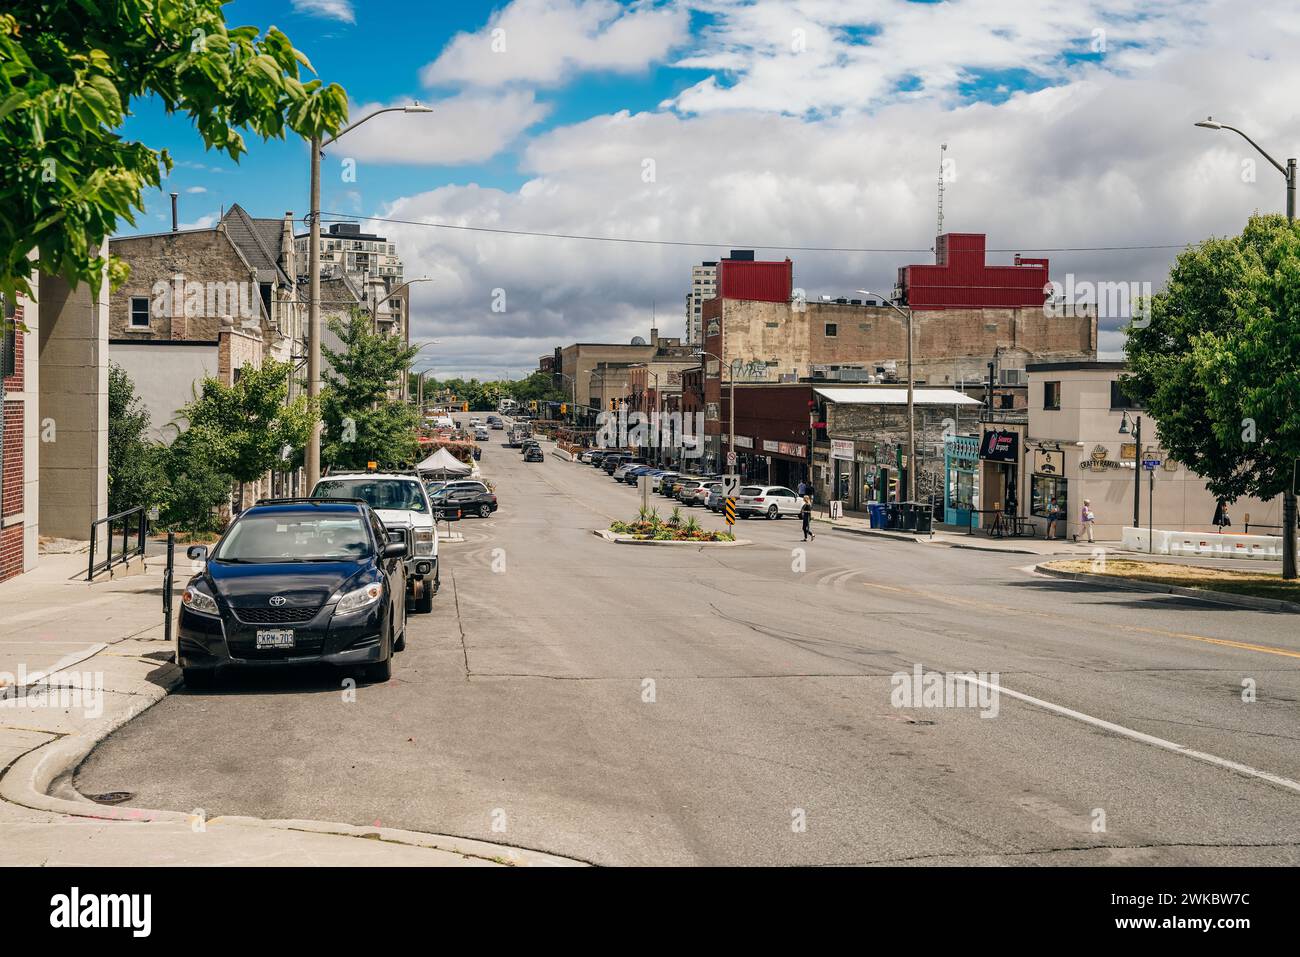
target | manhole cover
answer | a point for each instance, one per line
(112, 797)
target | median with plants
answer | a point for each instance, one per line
(650, 528)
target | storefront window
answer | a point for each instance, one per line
(1046, 490)
(961, 490)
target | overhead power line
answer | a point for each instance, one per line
(630, 240)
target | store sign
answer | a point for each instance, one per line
(1128, 451)
(769, 445)
(842, 449)
(711, 411)
(1098, 460)
(1000, 446)
(744, 442)
(1049, 462)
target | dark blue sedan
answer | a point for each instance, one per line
(297, 581)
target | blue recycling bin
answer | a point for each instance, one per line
(876, 513)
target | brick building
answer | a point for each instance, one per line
(19, 470)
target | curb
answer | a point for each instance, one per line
(29, 779)
(919, 540)
(629, 540)
(1204, 594)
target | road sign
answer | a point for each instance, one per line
(1151, 464)
(731, 460)
(730, 485)
(729, 509)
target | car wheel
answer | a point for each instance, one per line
(197, 679)
(424, 604)
(380, 671)
(484, 511)
(773, 512)
(400, 643)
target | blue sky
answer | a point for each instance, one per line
(771, 123)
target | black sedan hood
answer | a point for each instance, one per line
(301, 584)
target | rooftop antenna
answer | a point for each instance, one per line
(938, 229)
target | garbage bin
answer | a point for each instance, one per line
(876, 510)
(893, 516)
(924, 518)
(909, 516)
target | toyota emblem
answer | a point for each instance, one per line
(278, 600)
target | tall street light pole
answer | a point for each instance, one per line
(911, 395)
(312, 456)
(1288, 496)
(1137, 465)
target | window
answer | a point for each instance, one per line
(139, 312)
(832, 330)
(1048, 491)
(1118, 400)
(1052, 395)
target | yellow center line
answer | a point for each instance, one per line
(1136, 629)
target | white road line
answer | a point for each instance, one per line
(1140, 736)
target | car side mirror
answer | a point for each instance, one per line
(395, 550)
(400, 544)
(198, 553)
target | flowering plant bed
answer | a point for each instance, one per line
(650, 527)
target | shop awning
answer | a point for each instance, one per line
(896, 396)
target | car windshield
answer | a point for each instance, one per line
(299, 537)
(377, 493)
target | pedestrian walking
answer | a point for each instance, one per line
(803, 488)
(1053, 514)
(1221, 519)
(1087, 517)
(805, 516)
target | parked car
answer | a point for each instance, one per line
(611, 462)
(626, 466)
(715, 500)
(633, 474)
(297, 581)
(401, 501)
(666, 482)
(534, 454)
(465, 501)
(694, 491)
(773, 501)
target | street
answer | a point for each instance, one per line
(669, 706)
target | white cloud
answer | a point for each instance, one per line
(468, 128)
(547, 41)
(330, 9)
(197, 189)
(203, 222)
(1109, 159)
(823, 56)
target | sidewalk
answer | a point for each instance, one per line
(860, 525)
(79, 660)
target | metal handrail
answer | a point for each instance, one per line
(142, 522)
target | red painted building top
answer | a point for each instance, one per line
(748, 279)
(960, 279)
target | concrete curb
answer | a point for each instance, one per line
(30, 779)
(922, 540)
(629, 540)
(1204, 594)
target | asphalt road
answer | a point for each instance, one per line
(642, 705)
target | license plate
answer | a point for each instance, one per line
(274, 638)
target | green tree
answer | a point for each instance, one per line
(249, 427)
(1218, 363)
(134, 463)
(196, 486)
(362, 423)
(70, 71)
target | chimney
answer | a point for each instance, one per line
(175, 221)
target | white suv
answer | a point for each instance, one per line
(401, 502)
(770, 500)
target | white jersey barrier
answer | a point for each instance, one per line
(1207, 544)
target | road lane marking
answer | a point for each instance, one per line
(1137, 629)
(1140, 736)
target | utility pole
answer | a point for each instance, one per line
(312, 457)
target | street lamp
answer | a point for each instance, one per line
(1124, 427)
(312, 457)
(911, 418)
(1289, 496)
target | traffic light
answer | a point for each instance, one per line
(564, 408)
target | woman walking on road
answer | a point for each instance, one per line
(805, 515)
(1087, 517)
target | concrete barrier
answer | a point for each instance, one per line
(1203, 544)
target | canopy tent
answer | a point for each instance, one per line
(443, 463)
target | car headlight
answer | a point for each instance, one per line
(201, 602)
(360, 598)
(424, 541)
